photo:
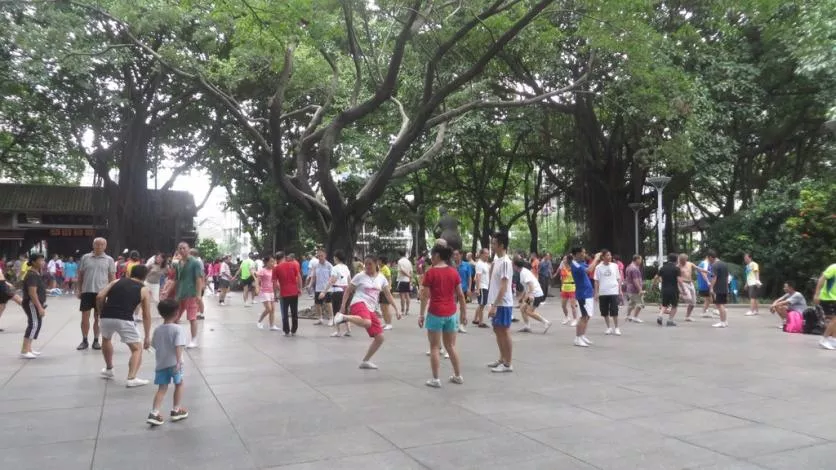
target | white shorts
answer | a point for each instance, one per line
(687, 294)
(154, 287)
(125, 329)
(266, 297)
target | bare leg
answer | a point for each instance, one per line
(272, 315)
(265, 312)
(376, 343)
(85, 323)
(27, 346)
(178, 396)
(499, 343)
(96, 329)
(107, 353)
(435, 354)
(387, 314)
(449, 339)
(135, 360)
(160, 396)
(722, 309)
(193, 327)
(672, 313)
(564, 304)
(505, 338)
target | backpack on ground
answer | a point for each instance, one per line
(813, 320)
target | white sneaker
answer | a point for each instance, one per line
(586, 340)
(574, 323)
(827, 344)
(247, 305)
(494, 364)
(434, 383)
(706, 314)
(28, 355)
(339, 318)
(565, 321)
(368, 365)
(131, 383)
(608, 332)
(579, 342)
(106, 373)
(387, 327)
(462, 329)
(548, 325)
(331, 322)
(191, 345)
(503, 368)
(38, 353)
(617, 332)
(629, 318)
(637, 320)
(318, 322)
(525, 329)
(689, 319)
(444, 354)
(260, 325)
(456, 379)
(720, 325)
(275, 328)
(336, 334)
(750, 314)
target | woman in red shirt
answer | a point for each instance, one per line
(442, 288)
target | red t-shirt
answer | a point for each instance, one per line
(442, 283)
(286, 273)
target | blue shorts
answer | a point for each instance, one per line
(443, 324)
(167, 376)
(503, 317)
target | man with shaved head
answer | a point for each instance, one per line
(95, 271)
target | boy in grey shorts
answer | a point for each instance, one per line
(169, 341)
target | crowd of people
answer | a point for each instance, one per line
(122, 293)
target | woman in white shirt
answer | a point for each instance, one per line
(337, 285)
(364, 291)
(532, 296)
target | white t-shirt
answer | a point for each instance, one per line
(483, 270)
(502, 268)
(342, 275)
(404, 266)
(526, 278)
(259, 264)
(367, 289)
(609, 279)
(52, 266)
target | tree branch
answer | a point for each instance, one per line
(426, 159)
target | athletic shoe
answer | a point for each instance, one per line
(106, 373)
(503, 368)
(462, 329)
(347, 334)
(191, 345)
(367, 365)
(260, 325)
(336, 334)
(689, 319)
(331, 322)
(574, 323)
(444, 354)
(705, 314)
(720, 324)
(586, 340)
(456, 379)
(494, 364)
(434, 383)
(659, 320)
(525, 329)
(608, 332)
(387, 327)
(750, 314)
(579, 342)
(827, 344)
(318, 322)
(275, 328)
(565, 321)
(179, 414)
(96, 344)
(339, 318)
(82, 346)
(637, 320)
(671, 323)
(28, 355)
(246, 305)
(201, 317)
(546, 328)
(483, 325)
(629, 318)
(131, 383)
(617, 332)
(154, 419)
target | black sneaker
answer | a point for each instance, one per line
(671, 323)
(201, 317)
(155, 419)
(659, 321)
(82, 346)
(179, 414)
(96, 344)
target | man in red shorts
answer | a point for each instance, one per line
(365, 291)
(189, 283)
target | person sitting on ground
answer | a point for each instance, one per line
(791, 301)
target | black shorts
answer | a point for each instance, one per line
(318, 301)
(721, 299)
(608, 304)
(382, 300)
(223, 283)
(403, 287)
(483, 297)
(5, 293)
(247, 282)
(829, 307)
(705, 293)
(337, 301)
(87, 302)
(670, 298)
(537, 301)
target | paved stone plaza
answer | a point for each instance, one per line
(688, 397)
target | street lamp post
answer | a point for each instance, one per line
(636, 206)
(659, 182)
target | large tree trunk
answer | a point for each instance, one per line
(343, 234)
(130, 222)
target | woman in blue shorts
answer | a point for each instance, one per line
(442, 287)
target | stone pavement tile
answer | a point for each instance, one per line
(271, 451)
(492, 401)
(683, 423)
(129, 420)
(819, 456)
(584, 393)
(203, 447)
(438, 430)
(730, 464)
(751, 441)
(634, 407)
(546, 415)
(503, 451)
(819, 425)
(45, 427)
(764, 410)
(280, 423)
(385, 388)
(393, 460)
(72, 455)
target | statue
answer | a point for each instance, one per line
(447, 229)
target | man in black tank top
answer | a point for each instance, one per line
(117, 303)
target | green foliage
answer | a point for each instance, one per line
(208, 249)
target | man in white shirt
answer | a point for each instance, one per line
(607, 289)
(753, 283)
(404, 282)
(532, 297)
(501, 301)
(482, 283)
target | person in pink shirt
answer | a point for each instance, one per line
(264, 293)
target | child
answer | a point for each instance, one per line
(168, 342)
